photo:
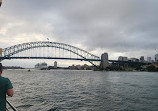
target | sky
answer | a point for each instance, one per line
(118, 27)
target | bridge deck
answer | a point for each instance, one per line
(81, 59)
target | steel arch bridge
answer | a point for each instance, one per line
(8, 52)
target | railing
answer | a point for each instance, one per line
(11, 106)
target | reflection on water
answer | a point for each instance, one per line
(64, 90)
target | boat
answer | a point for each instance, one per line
(41, 66)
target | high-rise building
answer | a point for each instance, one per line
(142, 59)
(149, 60)
(156, 57)
(104, 61)
(122, 58)
(125, 58)
(55, 64)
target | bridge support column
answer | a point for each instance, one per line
(104, 61)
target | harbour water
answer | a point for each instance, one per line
(66, 90)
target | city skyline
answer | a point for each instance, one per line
(120, 28)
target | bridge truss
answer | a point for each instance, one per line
(15, 52)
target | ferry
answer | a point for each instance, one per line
(41, 66)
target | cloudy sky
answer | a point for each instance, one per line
(119, 27)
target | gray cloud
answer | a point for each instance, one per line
(124, 26)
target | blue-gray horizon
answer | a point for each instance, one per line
(121, 28)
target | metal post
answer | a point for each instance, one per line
(14, 109)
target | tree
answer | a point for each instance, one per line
(152, 69)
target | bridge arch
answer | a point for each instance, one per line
(10, 51)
